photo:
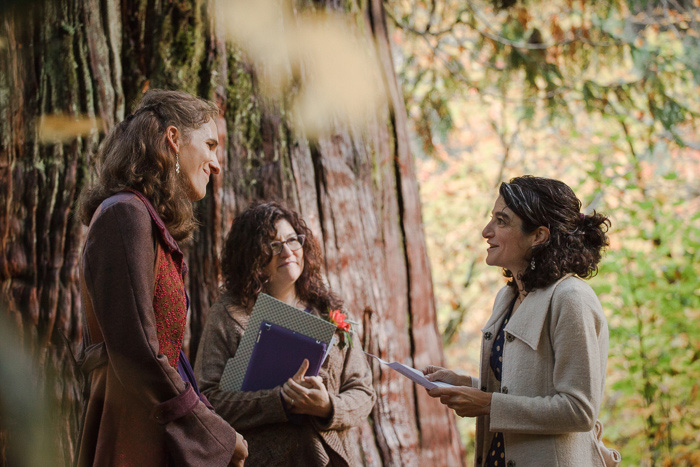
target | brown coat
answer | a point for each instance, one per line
(260, 417)
(554, 361)
(139, 411)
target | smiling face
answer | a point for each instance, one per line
(509, 247)
(198, 159)
(285, 268)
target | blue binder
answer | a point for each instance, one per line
(278, 354)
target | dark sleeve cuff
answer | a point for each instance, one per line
(294, 418)
(177, 407)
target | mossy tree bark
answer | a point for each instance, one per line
(356, 189)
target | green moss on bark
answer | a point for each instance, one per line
(179, 47)
(243, 110)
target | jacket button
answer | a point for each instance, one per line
(488, 335)
(510, 337)
(483, 388)
(504, 389)
(511, 464)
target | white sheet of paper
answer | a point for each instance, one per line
(334, 341)
(411, 373)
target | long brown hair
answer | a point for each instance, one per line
(135, 155)
(246, 253)
(576, 240)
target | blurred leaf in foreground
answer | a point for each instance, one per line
(61, 128)
(318, 63)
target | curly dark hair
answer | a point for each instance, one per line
(246, 253)
(576, 240)
(135, 155)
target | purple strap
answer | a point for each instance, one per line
(184, 368)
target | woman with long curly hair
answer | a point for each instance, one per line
(545, 348)
(307, 420)
(143, 405)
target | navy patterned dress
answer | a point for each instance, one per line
(497, 451)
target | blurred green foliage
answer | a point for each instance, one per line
(652, 287)
(26, 415)
(619, 57)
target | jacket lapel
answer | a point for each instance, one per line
(529, 319)
(500, 307)
(169, 242)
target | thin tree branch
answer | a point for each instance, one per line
(426, 31)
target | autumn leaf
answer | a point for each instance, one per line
(62, 128)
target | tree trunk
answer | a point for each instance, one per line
(356, 189)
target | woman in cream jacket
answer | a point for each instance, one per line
(544, 349)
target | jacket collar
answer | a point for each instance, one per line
(528, 321)
(169, 243)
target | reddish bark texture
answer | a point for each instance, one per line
(356, 189)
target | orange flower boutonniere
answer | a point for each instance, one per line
(340, 320)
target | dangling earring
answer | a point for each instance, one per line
(532, 264)
(177, 163)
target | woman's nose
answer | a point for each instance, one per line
(487, 232)
(286, 250)
(214, 165)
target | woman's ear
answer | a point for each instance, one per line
(172, 134)
(541, 235)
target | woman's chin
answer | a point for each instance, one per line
(285, 279)
(294, 275)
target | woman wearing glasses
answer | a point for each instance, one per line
(308, 420)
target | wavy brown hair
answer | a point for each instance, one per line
(576, 240)
(135, 155)
(246, 253)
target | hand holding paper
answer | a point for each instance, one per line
(411, 373)
(464, 400)
(438, 373)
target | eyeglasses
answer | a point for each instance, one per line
(294, 243)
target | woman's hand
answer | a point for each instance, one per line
(465, 401)
(240, 452)
(438, 373)
(307, 394)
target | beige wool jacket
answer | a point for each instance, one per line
(553, 377)
(274, 439)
